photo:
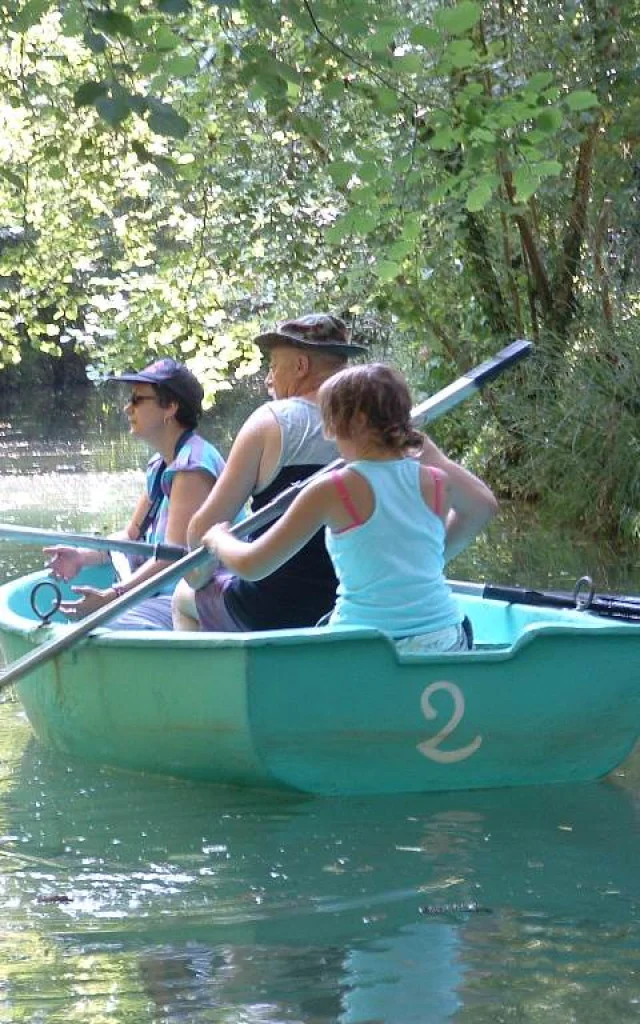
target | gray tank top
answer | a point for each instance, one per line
(302, 590)
(303, 441)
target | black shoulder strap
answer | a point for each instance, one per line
(155, 497)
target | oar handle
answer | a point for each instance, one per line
(493, 367)
(470, 382)
(33, 535)
(610, 605)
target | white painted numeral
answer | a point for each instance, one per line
(430, 747)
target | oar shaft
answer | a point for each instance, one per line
(436, 406)
(32, 535)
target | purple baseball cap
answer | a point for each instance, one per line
(175, 375)
(315, 330)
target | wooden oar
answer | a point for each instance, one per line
(583, 598)
(427, 411)
(32, 535)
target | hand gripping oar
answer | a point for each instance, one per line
(427, 411)
(583, 598)
(32, 535)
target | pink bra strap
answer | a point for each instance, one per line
(438, 487)
(345, 497)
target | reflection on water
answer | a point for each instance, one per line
(161, 900)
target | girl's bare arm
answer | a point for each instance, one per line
(471, 503)
(313, 508)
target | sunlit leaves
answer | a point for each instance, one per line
(30, 14)
(459, 19)
(240, 156)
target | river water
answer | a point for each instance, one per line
(143, 900)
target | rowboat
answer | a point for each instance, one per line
(548, 695)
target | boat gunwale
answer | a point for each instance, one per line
(560, 622)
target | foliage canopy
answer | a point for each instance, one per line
(173, 172)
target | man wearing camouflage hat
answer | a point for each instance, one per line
(280, 443)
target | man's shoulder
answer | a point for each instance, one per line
(293, 407)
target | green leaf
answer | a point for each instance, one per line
(340, 229)
(165, 39)
(387, 270)
(95, 41)
(484, 135)
(422, 35)
(460, 54)
(409, 63)
(30, 15)
(139, 104)
(334, 90)
(181, 66)
(87, 94)
(398, 250)
(581, 99)
(549, 120)
(460, 19)
(164, 120)
(444, 139)
(113, 23)
(370, 171)
(412, 227)
(364, 221)
(525, 182)
(341, 172)
(387, 100)
(479, 196)
(73, 19)
(13, 179)
(311, 127)
(539, 81)
(149, 63)
(112, 109)
(549, 168)
(174, 6)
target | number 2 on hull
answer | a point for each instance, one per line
(430, 748)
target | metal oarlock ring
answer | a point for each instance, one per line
(55, 604)
(583, 593)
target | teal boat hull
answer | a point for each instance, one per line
(548, 696)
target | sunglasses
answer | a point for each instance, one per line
(137, 399)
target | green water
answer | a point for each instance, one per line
(142, 900)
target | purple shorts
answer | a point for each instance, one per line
(212, 610)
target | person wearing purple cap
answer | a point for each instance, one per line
(280, 443)
(163, 409)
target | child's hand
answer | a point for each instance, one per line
(214, 538)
